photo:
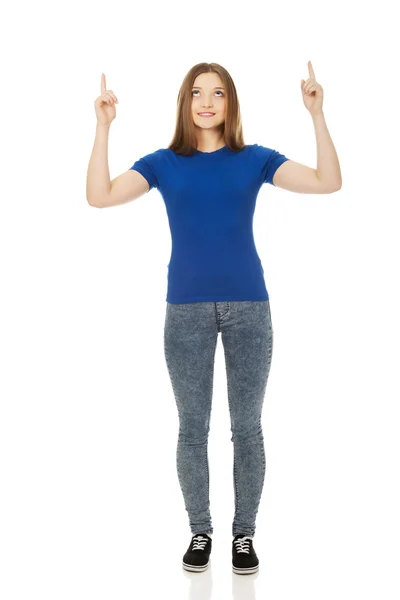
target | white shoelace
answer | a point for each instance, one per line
(199, 542)
(243, 545)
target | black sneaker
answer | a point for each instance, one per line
(196, 557)
(244, 557)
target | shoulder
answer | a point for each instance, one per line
(262, 151)
(151, 166)
(156, 155)
(269, 157)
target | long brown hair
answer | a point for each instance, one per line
(184, 141)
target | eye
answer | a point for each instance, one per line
(217, 92)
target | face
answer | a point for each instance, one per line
(208, 95)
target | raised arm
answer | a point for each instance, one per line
(100, 191)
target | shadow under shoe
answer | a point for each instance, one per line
(197, 556)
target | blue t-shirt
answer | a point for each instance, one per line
(210, 199)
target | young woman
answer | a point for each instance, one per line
(209, 180)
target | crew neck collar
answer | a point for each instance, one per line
(222, 150)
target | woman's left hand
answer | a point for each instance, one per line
(313, 94)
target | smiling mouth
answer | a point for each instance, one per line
(206, 114)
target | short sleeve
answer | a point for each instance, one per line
(147, 166)
(270, 160)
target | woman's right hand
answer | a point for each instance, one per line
(105, 104)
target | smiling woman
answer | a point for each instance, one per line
(207, 88)
(209, 180)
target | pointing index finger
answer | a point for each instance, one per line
(103, 83)
(311, 70)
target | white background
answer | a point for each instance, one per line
(90, 504)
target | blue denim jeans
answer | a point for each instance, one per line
(190, 339)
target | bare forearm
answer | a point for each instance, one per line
(98, 175)
(328, 167)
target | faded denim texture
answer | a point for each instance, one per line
(190, 340)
